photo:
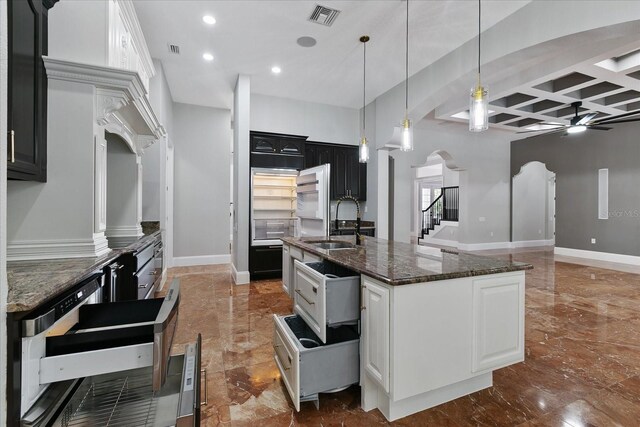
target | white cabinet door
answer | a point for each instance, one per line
(286, 269)
(375, 331)
(498, 322)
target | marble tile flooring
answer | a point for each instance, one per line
(582, 365)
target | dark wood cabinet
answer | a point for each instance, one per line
(27, 89)
(348, 175)
(273, 150)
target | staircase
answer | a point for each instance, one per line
(443, 208)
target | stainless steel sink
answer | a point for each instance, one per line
(333, 245)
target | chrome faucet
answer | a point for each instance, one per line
(359, 237)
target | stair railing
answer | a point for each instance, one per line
(444, 208)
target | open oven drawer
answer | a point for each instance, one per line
(100, 339)
(324, 295)
(127, 398)
(309, 367)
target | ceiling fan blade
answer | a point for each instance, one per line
(613, 122)
(586, 118)
(596, 127)
(606, 120)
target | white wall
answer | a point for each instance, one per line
(320, 122)
(201, 183)
(3, 212)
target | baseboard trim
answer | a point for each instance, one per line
(188, 261)
(240, 277)
(598, 256)
(31, 250)
(532, 243)
(483, 246)
(439, 242)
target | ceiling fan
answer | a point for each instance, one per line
(580, 124)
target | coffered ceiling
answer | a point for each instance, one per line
(608, 85)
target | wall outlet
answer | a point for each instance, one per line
(482, 219)
(365, 209)
(491, 234)
(539, 231)
(593, 241)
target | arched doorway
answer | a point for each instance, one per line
(436, 200)
(533, 207)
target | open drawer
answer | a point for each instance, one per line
(324, 295)
(309, 367)
(99, 339)
(127, 398)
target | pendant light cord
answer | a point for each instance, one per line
(479, 36)
(364, 88)
(406, 66)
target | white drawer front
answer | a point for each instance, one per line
(309, 298)
(295, 253)
(287, 359)
(309, 257)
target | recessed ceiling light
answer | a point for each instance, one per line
(208, 19)
(306, 41)
(207, 57)
(276, 70)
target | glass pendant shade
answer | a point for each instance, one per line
(478, 109)
(407, 136)
(364, 150)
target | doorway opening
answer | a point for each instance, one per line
(436, 200)
(533, 206)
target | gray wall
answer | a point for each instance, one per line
(201, 182)
(122, 179)
(576, 159)
(484, 184)
(152, 159)
(529, 206)
(240, 182)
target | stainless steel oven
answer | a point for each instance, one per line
(144, 276)
(76, 355)
(158, 262)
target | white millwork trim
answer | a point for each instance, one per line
(532, 243)
(188, 261)
(599, 256)
(240, 277)
(124, 231)
(131, 21)
(483, 246)
(122, 105)
(56, 249)
(448, 223)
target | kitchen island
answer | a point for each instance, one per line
(434, 324)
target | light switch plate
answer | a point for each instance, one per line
(593, 241)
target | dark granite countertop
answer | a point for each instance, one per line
(33, 282)
(397, 263)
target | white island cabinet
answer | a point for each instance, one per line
(427, 343)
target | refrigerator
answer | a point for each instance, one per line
(284, 203)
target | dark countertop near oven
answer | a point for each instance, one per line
(351, 225)
(397, 263)
(33, 282)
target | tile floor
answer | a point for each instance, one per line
(582, 365)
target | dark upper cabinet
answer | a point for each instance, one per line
(273, 150)
(27, 89)
(348, 175)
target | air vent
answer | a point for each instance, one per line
(174, 48)
(324, 15)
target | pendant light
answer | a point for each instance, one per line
(364, 147)
(478, 107)
(407, 130)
